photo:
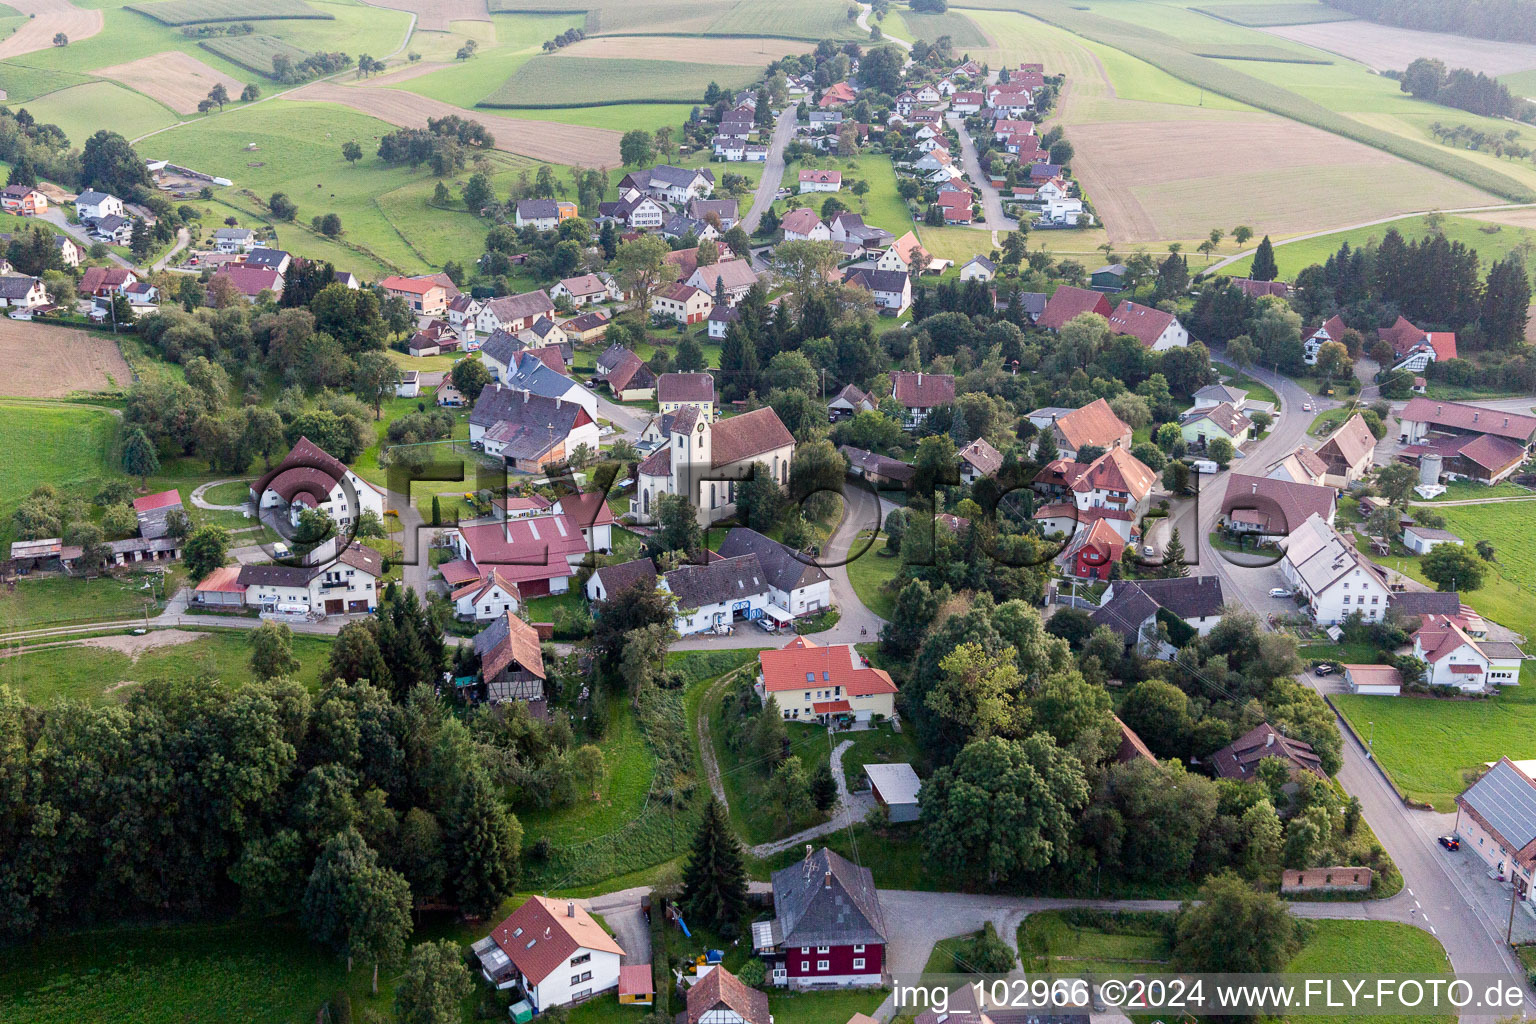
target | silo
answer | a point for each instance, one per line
(1429, 468)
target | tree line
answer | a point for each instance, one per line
(1514, 20)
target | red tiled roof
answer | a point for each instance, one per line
(788, 667)
(521, 644)
(224, 580)
(150, 502)
(1144, 323)
(540, 936)
(822, 177)
(922, 390)
(1068, 302)
(752, 433)
(1093, 424)
(1117, 470)
(636, 980)
(802, 221)
(414, 285)
(459, 571)
(526, 549)
(1459, 416)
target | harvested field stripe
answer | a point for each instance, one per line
(1265, 15)
(1173, 56)
(45, 19)
(562, 81)
(176, 79)
(197, 12)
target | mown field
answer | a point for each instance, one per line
(194, 12)
(68, 446)
(254, 52)
(95, 672)
(1263, 15)
(1492, 242)
(789, 19)
(80, 110)
(559, 81)
(962, 31)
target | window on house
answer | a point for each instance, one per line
(822, 965)
(858, 963)
(823, 949)
(577, 961)
(805, 965)
(859, 948)
(805, 949)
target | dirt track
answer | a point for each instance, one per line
(437, 15)
(541, 140)
(53, 16)
(55, 362)
(177, 79)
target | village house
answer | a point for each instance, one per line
(23, 201)
(514, 313)
(92, 205)
(1156, 330)
(979, 459)
(1415, 348)
(1270, 507)
(978, 268)
(542, 214)
(433, 339)
(1240, 759)
(409, 385)
(251, 281)
(732, 278)
(1452, 657)
(877, 469)
(1213, 395)
(1303, 466)
(627, 376)
(1200, 427)
(609, 580)
(272, 259)
(718, 323)
(69, 251)
(683, 303)
(20, 292)
(425, 297)
(553, 952)
(1332, 330)
(720, 997)
(803, 225)
(1093, 425)
(582, 291)
(1332, 576)
(1496, 818)
(849, 229)
(530, 432)
(849, 402)
(1068, 302)
(671, 184)
(224, 239)
(674, 390)
(538, 555)
(634, 209)
(795, 584)
(811, 682)
(725, 212)
(511, 664)
(1484, 458)
(1348, 452)
(722, 591)
(1421, 540)
(1116, 487)
(891, 289)
(820, 181)
(485, 598)
(586, 327)
(919, 394)
(703, 461)
(112, 229)
(827, 929)
(349, 585)
(1092, 554)
(1145, 612)
(308, 477)
(841, 94)
(528, 372)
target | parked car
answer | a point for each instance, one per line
(767, 625)
(626, 483)
(1325, 669)
(1279, 592)
(1451, 843)
(1206, 466)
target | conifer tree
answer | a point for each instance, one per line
(715, 880)
(1264, 268)
(1173, 557)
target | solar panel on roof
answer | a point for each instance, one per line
(1507, 802)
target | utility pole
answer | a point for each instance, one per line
(1514, 894)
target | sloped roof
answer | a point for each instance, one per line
(524, 305)
(1117, 470)
(785, 570)
(922, 390)
(541, 935)
(1240, 759)
(1132, 748)
(685, 387)
(508, 639)
(803, 662)
(164, 499)
(742, 437)
(305, 457)
(801, 222)
(1144, 323)
(618, 578)
(826, 900)
(1504, 801)
(1352, 442)
(1285, 503)
(1225, 416)
(1093, 424)
(535, 548)
(1069, 301)
(1459, 416)
(722, 990)
(717, 582)
(880, 465)
(983, 456)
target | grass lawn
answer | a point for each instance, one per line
(870, 576)
(62, 444)
(61, 600)
(1371, 947)
(1429, 747)
(1467, 490)
(1257, 391)
(748, 783)
(877, 746)
(822, 1007)
(95, 673)
(234, 492)
(79, 110)
(902, 862)
(542, 609)
(620, 795)
(1328, 421)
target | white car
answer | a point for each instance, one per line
(1148, 550)
(1279, 592)
(1307, 407)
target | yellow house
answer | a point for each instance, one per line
(675, 390)
(813, 683)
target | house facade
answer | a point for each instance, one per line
(827, 929)
(1332, 577)
(309, 477)
(553, 951)
(348, 585)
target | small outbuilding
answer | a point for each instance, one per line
(1374, 680)
(637, 985)
(1421, 540)
(895, 787)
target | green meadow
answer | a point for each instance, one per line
(1491, 240)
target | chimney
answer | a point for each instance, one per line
(525, 397)
(1475, 415)
(570, 908)
(1438, 408)
(1269, 739)
(827, 881)
(1255, 487)
(919, 378)
(808, 849)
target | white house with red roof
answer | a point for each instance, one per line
(1156, 330)
(553, 951)
(1332, 330)
(1454, 658)
(309, 477)
(811, 682)
(1115, 487)
(1416, 348)
(820, 181)
(803, 225)
(919, 394)
(485, 598)
(424, 295)
(683, 303)
(534, 554)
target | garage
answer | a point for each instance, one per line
(333, 606)
(357, 606)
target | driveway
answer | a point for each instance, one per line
(626, 920)
(55, 216)
(773, 170)
(851, 809)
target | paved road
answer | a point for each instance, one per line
(773, 170)
(183, 239)
(55, 215)
(863, 23)
(993, 217)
